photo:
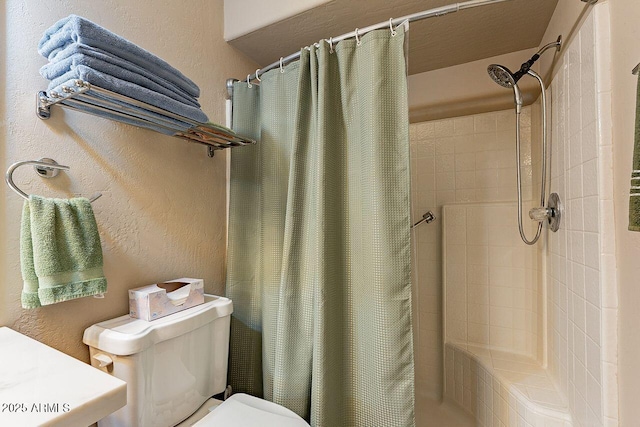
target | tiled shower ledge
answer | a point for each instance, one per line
(510, 388)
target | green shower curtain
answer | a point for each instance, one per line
(319, 246)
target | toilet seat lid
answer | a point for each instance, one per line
(249, 411)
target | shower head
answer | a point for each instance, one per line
(501, 75)
(505, 78)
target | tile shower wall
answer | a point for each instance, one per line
(491, 280)
(462, 159)
(581, 282)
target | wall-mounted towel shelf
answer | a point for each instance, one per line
(94, 100)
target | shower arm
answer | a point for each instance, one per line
(525, 67)
(556, 44)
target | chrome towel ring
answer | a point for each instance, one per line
(46, 168)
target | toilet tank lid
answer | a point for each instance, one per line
(125, 335)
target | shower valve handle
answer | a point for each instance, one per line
(541, 213)
(552, 213)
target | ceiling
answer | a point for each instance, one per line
(434, 43)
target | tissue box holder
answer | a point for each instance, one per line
(152, 302)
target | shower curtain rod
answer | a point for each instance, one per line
(438, 11)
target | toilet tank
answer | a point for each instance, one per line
(171, 365)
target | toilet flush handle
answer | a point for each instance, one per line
(103, 360)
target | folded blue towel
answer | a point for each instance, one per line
(75, 29)
(60, 69)
(123, 87)
(81, 54)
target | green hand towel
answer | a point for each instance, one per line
(60, 251)
(634, 199)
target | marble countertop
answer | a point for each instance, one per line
(41, 386)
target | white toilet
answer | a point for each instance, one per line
(175, 364)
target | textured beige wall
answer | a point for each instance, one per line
(162, 213)
(625, 48)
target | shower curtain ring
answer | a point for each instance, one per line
(393, 32)
(281, 67)
(358, 42)
(249, 85)
(330, 44)
(258, 78)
